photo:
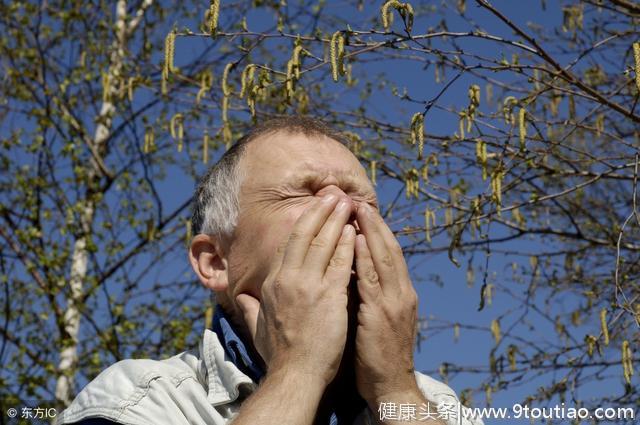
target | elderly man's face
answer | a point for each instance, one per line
(284, 173)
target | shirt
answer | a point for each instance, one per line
(204, 386)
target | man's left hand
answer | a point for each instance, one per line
(387, 314)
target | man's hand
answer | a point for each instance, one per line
(300, 324)
(386, 317)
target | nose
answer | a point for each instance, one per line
(342, 195)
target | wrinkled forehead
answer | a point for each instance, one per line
(294, 157)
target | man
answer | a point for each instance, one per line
(316, 314)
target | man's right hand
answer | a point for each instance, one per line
(300, 324)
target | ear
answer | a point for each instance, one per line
(208, 261)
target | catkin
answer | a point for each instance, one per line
(337, 54)
(462, 116)
(247, 79)
(627, 362)
(481, 156)
(590, 340)
(290, 80)
(293, 71)
(405, 10)
(495, 330)
(511, 354)
(496, 188)
(412, 183)
(373, 165)
(603, 326)
(456, 332)
(227, 135)
(106, 87)
(488, 293)
(507, 110)
(177, 129)
(205, 147)
(226, 92)
(188, 232)
(214, 13)
(417, 132)
(522, 127)
(429, 223)
(169, 52)
(385, 15)
(225, 108)
(295, 58)
(474, 95)
(226, 88)
(636, 60)
(149, 140)
(205, 85)
(131, 86)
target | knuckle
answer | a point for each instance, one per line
(318, 242)
(370, 275)
(296, 235)
(337, 262)
(387, 260)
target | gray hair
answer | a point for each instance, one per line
(216, 201)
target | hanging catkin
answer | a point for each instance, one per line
(417, 132)
(496, 189)
(590, 340)
(636, 59)
(373, 165)
(429, 223)
(337, 55)
(226, 88)
(386, 15)
(205, 147)
(522, 127)
(149, 140)
(495, 331)
(169, 52)
(247, 79)
(481, 156)
(507, 110)
(405, 10)
(293, 71)
(511, 355)
(603, 326)
(214, 13)
(177, 129)
(627, 362)
(106, 87)
(206, 80)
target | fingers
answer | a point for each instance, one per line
(323, 246)
(250, 308)
(385, 250)
(368, 285)
(339, 268)
(305, 230)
